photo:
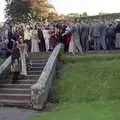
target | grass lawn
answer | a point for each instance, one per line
(1, 61)
(84, 111)
(88, 88)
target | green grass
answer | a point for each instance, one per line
(1, 61)
(83, 111)
(88, 88)
(89, 78)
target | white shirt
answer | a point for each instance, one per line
(46, 34)
(27, 35)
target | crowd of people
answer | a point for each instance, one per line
(20, 39)
(76, 37)
(95, 35)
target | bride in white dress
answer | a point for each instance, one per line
(71, 45)
(35, 40)
(47, 38)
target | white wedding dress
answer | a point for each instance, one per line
(47, 39)
(35, 41)
(71, 46)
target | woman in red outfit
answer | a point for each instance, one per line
(67, 39)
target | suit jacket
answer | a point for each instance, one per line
(40, 35)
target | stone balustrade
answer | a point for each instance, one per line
(40, 90)
(4, 69)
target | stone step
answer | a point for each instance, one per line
(34, 72)
(38, 64)
(18, 94)
(33, 77)
(22, 86)
(37, 58)
(26, 82)
(12, 102)
(39, 55)
(41, 61)
(43, 55)
(14, 91)
(14, 96)
(37, 68)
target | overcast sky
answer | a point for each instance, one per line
(92, 7)
(2, 7)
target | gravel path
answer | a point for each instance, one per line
(7, 113)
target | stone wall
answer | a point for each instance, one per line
(40, 90)
(5, 70)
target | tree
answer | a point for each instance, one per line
(52, 13)
(84, 14)
(18, 10)
(73, 15)
(40, 8)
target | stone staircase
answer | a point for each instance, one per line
(18, 94)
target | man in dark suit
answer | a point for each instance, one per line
(42, 46)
